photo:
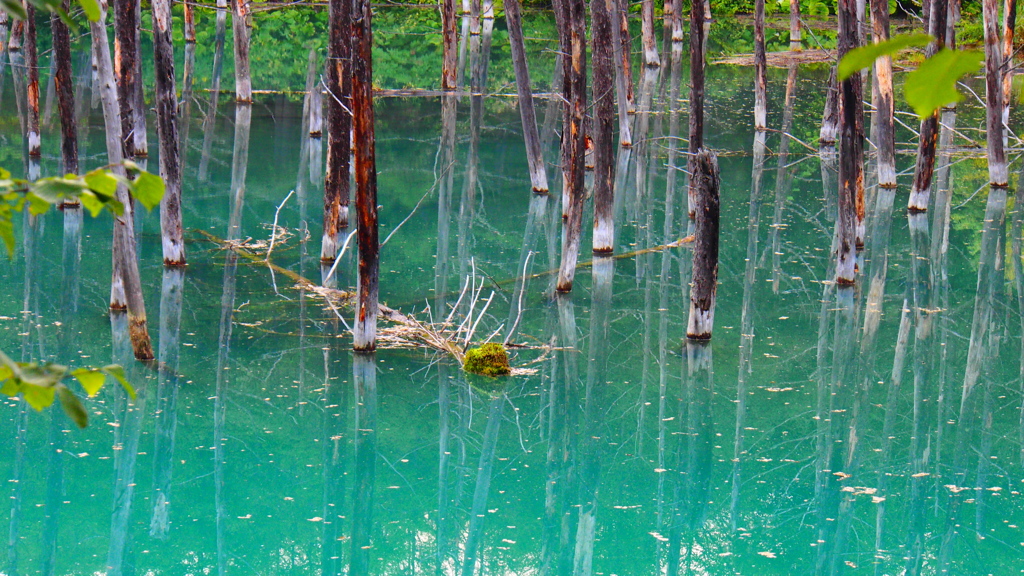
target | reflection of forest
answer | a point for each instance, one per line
(874, 429)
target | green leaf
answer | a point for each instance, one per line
(54, 189)
(102, 183)
(7, 232)
(91, 8)
(92, 204)
(38, 397)
(148, 189)
(37, 206)
(90, 379)
(117, 372)
(14, 8)
(72, 406)
(933, 84)
(863, 57)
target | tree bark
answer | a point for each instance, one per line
(534, 155)
(885, 137)
(994, 94)
(65, 96)
(760, 69)
(126, 52)
(210, 122)
(929, 133)
(189, 22)
(32, 66)
(651, 57)
(705, 247)
(314, 98)
(1009, 24)
(171, 236)
(240, 27)
(562, 14)
(696, 102)
(830, 117)
(851, 159)
(620, 65)
(604, 126)
(365, 329)
(339, 128)
(625, 52)
(574, 134)
(795, 33)
(449, 37)
(126, 269)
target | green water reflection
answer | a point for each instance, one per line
(869, 431)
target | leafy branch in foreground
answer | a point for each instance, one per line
(95, 191)
(933, 84)
(40, 384)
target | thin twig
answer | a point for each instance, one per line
(273, 230)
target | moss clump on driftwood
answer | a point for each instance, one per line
(488, 360)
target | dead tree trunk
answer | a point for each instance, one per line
(240, 27)
(32, 66)
(574, 135)
(929, 133)
(339, 128)
(851, 158)
(760, 70)
(994, 94)
(830, 118)
(696, 101)
(619, 55)
(125, 55)
(65, 95)
(449, 43)
(604, 126)
(1009, 24)
(534, 154)
(651, 57)
(167, 131)
(561, 9)
(795, 34)
(189, 18)
(705, 179)
(126, 269)
(314, 98)
(885, 137)
(625, 52)
(365, 329)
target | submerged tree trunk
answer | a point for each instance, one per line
(171, 235)
(705, 249)
(573, 133)
(620, 65)
(126, 56)
(929, 133)
(830, 117)
(240, 27)
(994, 94)
(851, 158)
(126, 289)
(604, 127)
(885, 137)
(32, 67)
(365, 329)
(339, 128)
(651, 57)
(696, 101)
(1009, 24)
(795, 37)
(314, 103)
(760, 69)
(65, 96)
(534, 154)
(449, 45)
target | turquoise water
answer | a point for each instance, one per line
(821, 431)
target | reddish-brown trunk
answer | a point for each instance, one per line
(851, 163)
(65, 94)
(696, 100)
(32, 65)
(339, 127)
(576, 87)
(365, 330)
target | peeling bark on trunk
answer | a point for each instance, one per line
(573, 133)
(125, 55)
(651, 57)
(240, 27)
(365, 329)
(171, 236)
(830, 118)
(32, 66)
(885, 136)
(314, 108)
(929, 133)
(65, 96)
(760, 70)
(620, 56)
(851, 157)
(449, 43)
(604, 127)
(1009, 24)
(705, 247)
(126, 269)
(339, 128)
(696, 102)
(994, 94)
(625, 52)
(189, 22)
(534, 155)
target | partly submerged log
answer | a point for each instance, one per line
(851, 162)
(574, 135)
(994, 71)
(647, 33)
(884, 139)
(32, 65)
(604, 127)
(705, 249)
(167, 131)
(339, 129)
(534, 154)
(760, 69)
